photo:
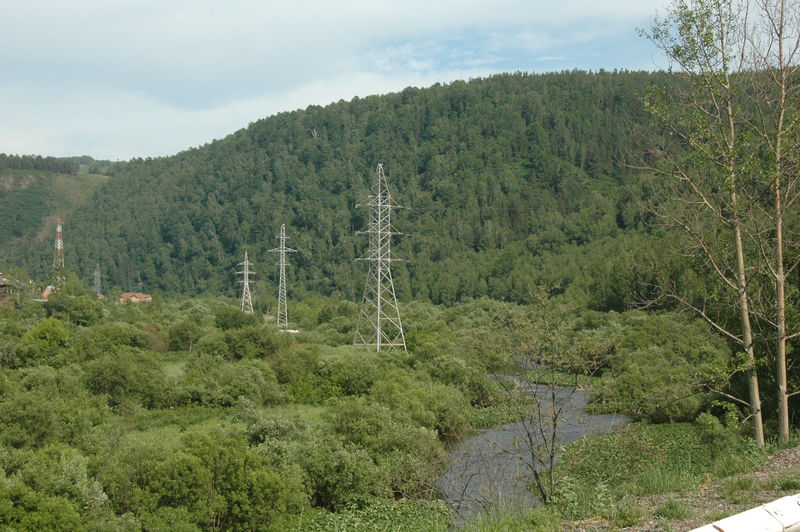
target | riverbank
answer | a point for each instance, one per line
(778, 477)
(494, 467)
(656, 477)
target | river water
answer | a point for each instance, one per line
(493, 468)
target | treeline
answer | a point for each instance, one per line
(507, 179)
(37, 162)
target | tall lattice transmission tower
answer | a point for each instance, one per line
(97, 286)
(58, 257)
(283, 314)
(246, 299)
(379, 324)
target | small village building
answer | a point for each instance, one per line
(135, 297)
(6, 289)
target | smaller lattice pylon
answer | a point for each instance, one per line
(58, 257)
(246, 299)
(97, 286)
(283, 311)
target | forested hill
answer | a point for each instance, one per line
(511, 182)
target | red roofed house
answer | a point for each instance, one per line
(135, 297)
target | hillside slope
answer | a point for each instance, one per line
(31, 200)
(512, 182)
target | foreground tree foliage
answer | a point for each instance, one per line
(735, 113)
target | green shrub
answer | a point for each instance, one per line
(41, 344)
(93, 342)
(210, 380)
(46, 405)
(129, 374)
(25, 509)
(423, 402)
(251, 341)
(169, 519)
(228, 317)
(353, 371)
(303, 374)
(248, 490)
(405, 451)
(658, 365)
(84, 309)
(210, 476)
(339, 473)
(184, 334)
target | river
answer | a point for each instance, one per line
(492, 468)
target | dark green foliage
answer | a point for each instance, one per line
(353, 371)
(89, 343)
(246, 492)
(40, 344)
(37, 162)
(128, 375)
(46, 405)
(657, 365)
(423, 402)
(22, 508)
(184, 334)
(301, 371)
(251, 341)
(339, 473)
(212, 479)
(399, 446)
(83, 309)
(229, 317)
(210, 380)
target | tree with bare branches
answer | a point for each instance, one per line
(773, 51)
(707, 176)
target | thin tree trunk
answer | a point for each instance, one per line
(780, 316)
(747, 339)
(780, 276)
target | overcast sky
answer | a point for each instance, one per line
(117, 79)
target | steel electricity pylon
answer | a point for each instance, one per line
(97, 285)
(283, 311)
(58, 257)
(246, 299)
(379, 324)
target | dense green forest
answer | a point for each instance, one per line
(511, 182)
(37, 162)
